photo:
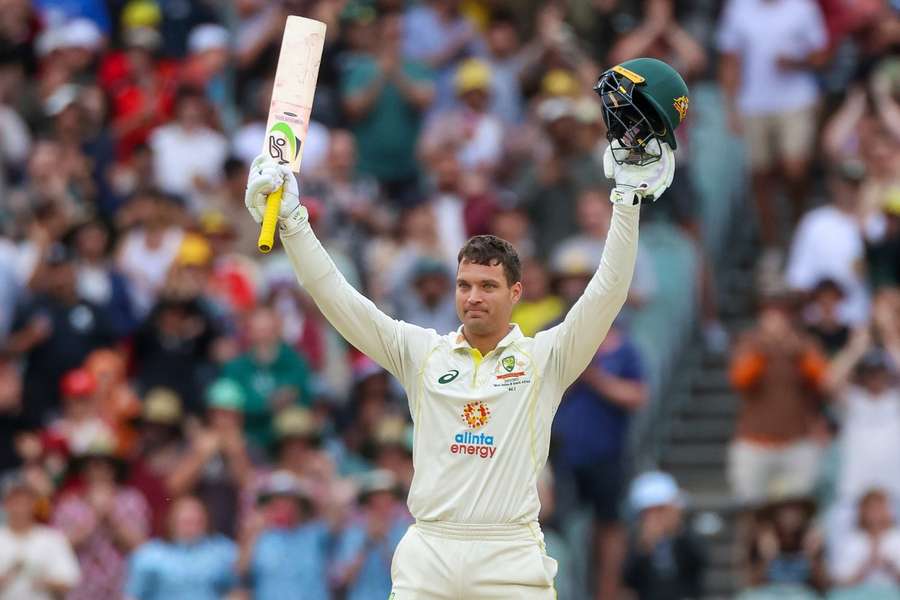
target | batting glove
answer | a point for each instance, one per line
(635, 182)
(266, 176)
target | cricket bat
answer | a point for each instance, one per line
(292, 100)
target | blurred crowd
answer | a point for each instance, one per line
(177, 420)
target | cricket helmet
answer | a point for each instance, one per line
(643, 99)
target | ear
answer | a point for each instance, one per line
(516, 291)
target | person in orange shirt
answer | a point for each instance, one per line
(779, 372)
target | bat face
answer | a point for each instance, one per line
(294, 89)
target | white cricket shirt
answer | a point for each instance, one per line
(482, 423)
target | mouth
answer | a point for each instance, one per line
(475, 313)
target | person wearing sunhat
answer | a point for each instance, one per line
(103, 519)
(36, 562)
(286, 548)
(665, 562)
(217, 464)
(364, 550)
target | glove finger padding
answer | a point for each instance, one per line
(635, 182)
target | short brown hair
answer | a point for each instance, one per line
(490, 250)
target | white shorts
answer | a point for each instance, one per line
(454, 561)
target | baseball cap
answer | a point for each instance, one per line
(78, 383)
(553, 109)
(576, 259)
(14, 481)
(295, 422)
(654, 488)
(225, 394)
(373, 482)
(283, 483)
(162, 406)
(195, 251)
(874, 360)
(208, 36)
(559, 82)
(473, 74)
(80, 33)
(141, 13)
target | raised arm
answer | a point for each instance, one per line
(573, 343)
(393, 344)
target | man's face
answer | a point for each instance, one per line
(19, 507)
(484, 298)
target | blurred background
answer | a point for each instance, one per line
(178, 421)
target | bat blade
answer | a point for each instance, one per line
(292, 100)
(294, 90)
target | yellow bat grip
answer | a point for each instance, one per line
(270, 219)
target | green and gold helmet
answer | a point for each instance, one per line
(643, 99)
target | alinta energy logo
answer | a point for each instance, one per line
(475, 415)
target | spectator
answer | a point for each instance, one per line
(870, 419)
(188, 153)
(870, 555)
(829, 243)
(590, 434)
(366, 547)
(99, 281)
(174, 348)
(270, 374)
(287, 546)
(216, 466)
(786, 554)
(822, 316)
(80, 423)
(594, 212)
(116, 401)
(507, 61)
(772, 45)
(393, 450)
(549, 185)
(778, 371)
(36, 562)
(14, 424)
(103, 520)
(883, 247)
(384, 95)
(437, 34)
(192, 564)
(475, 132)
(428, 303)
(55, 331)
(665, 561)
(148, 250)
(539, 306)
(160, 449)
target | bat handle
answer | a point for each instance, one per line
(270, 219)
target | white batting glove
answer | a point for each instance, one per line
(266, 176)
(634, 182)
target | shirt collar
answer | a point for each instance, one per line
(514, 335)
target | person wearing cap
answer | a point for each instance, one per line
(55, 331)
(160, 448)
(393, 449)
(471, 129)
(822, 316)
(863, 382)
(362, 561)
(271, 375)
(81, 421)
(548, 183)
(425, 299)
(828, 242)
(590, 430)
(104, 519)
(286, 549)
(665, 561)
(36, 561)
(188, 562)
(217, 464)
(779, 373)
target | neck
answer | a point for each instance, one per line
(485, 343)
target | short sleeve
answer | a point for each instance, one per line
(63, 568)
(139, 580)
(728, 35)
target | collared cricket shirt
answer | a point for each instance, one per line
(482, 423)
